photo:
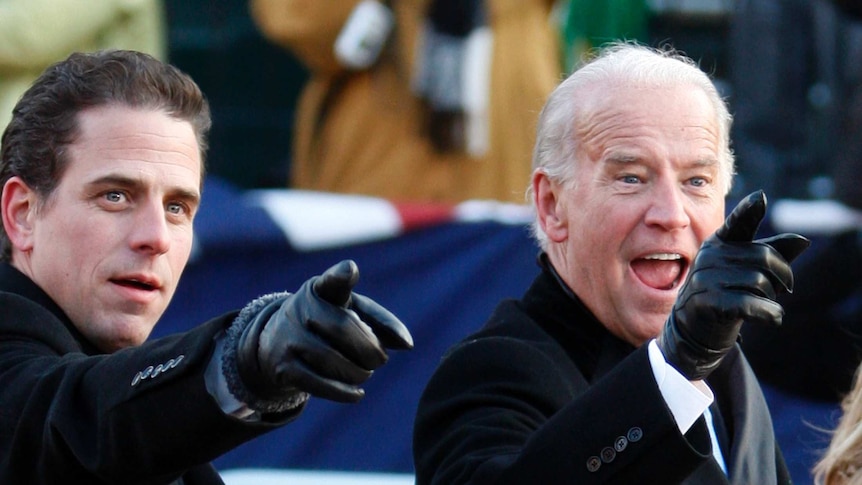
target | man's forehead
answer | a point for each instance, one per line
(114, 136)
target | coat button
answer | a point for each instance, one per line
(620, 443)
(608, 454)
(594, 463)
(635, 434)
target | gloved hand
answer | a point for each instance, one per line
(324, 340)
(733, 279)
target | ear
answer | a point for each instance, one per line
(18, 205)
(550, 210)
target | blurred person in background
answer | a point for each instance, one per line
(816, 352)
(421, 100)
(792, 66)
(36, 33)
(841, 463)
(587, 24)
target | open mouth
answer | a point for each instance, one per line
(662, 271)
(136, 284)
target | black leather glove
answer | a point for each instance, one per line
(733, 279)
(324, 340)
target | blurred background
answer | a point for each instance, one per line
(789, 69)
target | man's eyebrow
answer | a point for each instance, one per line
(627, 158)
(703, 163)
(622, 159)
(706, 162)
(114, 179)
(190, 196)
(131, 182)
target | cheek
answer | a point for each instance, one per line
(607, 225)
(181, 249)
(706, 222)
(65, 236)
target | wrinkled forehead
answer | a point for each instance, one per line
(674, 112)
(654, 104)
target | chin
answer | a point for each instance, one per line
(651, 330)
(119, 342)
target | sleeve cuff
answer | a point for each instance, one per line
(218, 388)
(686, 400)
(229, 365)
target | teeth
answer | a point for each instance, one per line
(664, 256)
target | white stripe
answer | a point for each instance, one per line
(491, 210)
(321, 220)
(476, 82)
(814, 216)
(253, 476)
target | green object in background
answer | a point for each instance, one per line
(590, 23)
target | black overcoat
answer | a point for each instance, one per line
(69, 415)
(545, 394)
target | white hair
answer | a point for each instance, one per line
(618, 63)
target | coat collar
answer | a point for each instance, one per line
(14, 281)
(561, 313)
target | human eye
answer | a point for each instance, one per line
(701, 175)
(114, 196)
(628, 173)
(630, 179)
(699, 181)
(181, 209)
(176, 208)
(111, 199)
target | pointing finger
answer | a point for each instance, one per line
(336, 283)
(741, 225)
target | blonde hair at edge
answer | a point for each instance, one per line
(617, 63)
(841, 462)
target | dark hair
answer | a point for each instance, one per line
(45, 120)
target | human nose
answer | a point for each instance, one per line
(151, 233)
(667, 208)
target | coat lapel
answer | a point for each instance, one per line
(752, 454)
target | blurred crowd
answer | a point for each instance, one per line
(443, 106)
(437, 101)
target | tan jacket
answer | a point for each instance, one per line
(360, 131)
(36, 33)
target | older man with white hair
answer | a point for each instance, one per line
(619, 364)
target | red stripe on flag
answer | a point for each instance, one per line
(416, 215)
